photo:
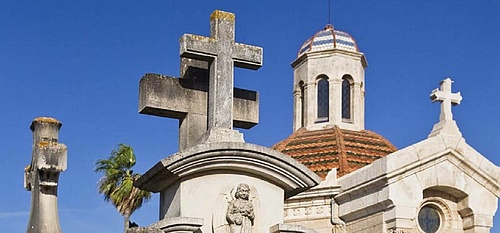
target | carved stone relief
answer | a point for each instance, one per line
(307, 212)
(236, 211)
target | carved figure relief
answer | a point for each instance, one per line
(236, 210)
(240, 214)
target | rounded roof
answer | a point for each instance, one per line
(346, 150)
(328, 39)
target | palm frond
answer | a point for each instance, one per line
(116, 185)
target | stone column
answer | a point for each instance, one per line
(298, 109)
(357, 106)
(42, 175)
(362, 106)
(312, 98)
(335, 101)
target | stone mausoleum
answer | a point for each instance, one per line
(331, 175)
(440, 184)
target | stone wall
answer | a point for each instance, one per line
(370, 224)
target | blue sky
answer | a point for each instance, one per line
(81, 62)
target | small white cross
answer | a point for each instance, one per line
(447, 99)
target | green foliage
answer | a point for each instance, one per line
(117, 183)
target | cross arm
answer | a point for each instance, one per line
(456, 98)
(247, 56)
(245, 108)
(163, 96)
(435, 95)
(197, 47)
(171, 97)
(438, 95)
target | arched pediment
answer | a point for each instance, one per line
(230, 157)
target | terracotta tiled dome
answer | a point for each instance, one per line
(328, 39)
(346, 150)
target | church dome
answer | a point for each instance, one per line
(346, 150)
(328, 39)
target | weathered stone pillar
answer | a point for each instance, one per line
(335, 100)
(311, 112)
(42, 175)
(298, 114)
(357, 106)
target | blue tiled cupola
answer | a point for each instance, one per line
(328, 39)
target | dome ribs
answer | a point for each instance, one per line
(329, 39)
(343, 155)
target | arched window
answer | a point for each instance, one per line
(302, 105)
(323, 98)
(346, 97)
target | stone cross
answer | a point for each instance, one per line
(185, 99)
(42, 175)
(447, 99)
(222, 53)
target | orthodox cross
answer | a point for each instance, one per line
(205, 85)
(222, 53)
(447, 99)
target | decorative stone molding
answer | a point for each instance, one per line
(173, 225)
(418, 160)
(289, 228)
(443, 209)
(307, 212)
(215, 166)
(311, 204)
(268, 164)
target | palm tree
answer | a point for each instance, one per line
(117, 183)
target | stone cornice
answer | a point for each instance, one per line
(318, 192)
(262, 162)
(314, 54)
(418, 157)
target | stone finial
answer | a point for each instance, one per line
(45, 127)
(446, 124)
(48, 160)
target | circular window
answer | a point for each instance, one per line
(429, 219)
